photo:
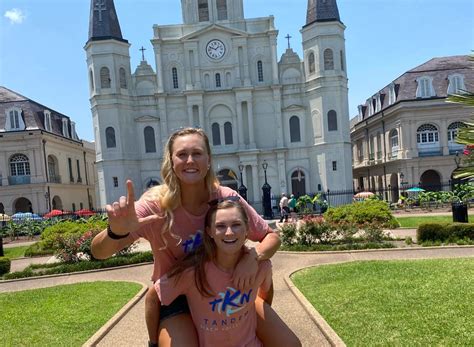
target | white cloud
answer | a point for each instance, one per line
(15, 16)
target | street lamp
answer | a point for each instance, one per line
(48, 203)
(267, 200)
(242, 188)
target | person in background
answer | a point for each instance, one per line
(292, 207)
(284, 210)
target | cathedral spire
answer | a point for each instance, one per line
(322, 11)
(103, 21)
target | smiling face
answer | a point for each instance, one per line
(190, 159)
(228, 230)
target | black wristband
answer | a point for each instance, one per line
(114, 236)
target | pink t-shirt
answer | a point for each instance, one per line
(228, 318)
(189, 228)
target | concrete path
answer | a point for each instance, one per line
(131, 330)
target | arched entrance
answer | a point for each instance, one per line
(430, 180)
(22, 205)
(298, 183)
(57, 203)
(228, 178)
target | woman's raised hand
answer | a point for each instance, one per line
(122, 216)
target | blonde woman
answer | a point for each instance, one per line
(171, 217)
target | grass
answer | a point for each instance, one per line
(401, 303)
(15, 252)
(413, 222)
(66, 315)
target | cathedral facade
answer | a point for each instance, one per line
(220, 71)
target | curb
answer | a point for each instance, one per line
(332, 337)
(75, 273)
(102, 332)
(419, 248)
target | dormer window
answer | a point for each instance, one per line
(361, 112)
(456, 84)
(47, 120)
(370, 107)
(73, 131)
(425, 87)
(221, 9)
(378, 103)
(14, 120)
(65, 129)
(392, 96)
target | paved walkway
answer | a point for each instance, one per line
(131, 330)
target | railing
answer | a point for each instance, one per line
(429, 153)
(393, 155)
(15, 180)
(54, 178)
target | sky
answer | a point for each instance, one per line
(42, 42)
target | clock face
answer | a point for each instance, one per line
(215, 49)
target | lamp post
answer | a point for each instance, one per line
(242, 188)
(459, 208)
(48, 203)
(267, 200)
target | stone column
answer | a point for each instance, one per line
(190, 115)
(251, 123)
(201, 117)
(273, 45)
(443, 134)
(159, 67)
(246, 66)
(256, 187)
(240, 124)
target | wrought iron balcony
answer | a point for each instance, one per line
(15, 180)
(54, 178)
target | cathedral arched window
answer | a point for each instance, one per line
(328, 59)
(332, 120)
(123, 78)
(221, 9)
(260, 71)
(19, 165)
(174, 76)
(150, 144)
(218, 80)
(110, 137)
(228, 138)
(295, 134)
(104, 77)
(311, 63)
(453, 130)
(203, 10)
(216, 134)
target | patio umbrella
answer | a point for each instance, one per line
(84, 213)
(415, 190)
(4, 217)
(53, 213)
(363, 195)
(21, 216)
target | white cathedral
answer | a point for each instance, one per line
(220, 71)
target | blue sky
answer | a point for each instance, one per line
(42, 55)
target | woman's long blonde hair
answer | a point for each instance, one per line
(168, 194)
(207, 251)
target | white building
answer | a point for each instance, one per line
(220, 71)
(43, 163)
(406, 132)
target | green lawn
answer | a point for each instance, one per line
(413, 222)
(65, 315)
(15, 252)
(401, 303)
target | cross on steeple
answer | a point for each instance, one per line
(143, 53)
(288, 37)
(100, 6)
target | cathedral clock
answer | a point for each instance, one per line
(215, 49)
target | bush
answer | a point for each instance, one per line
(434, 232)
(288, 233)
(35, 250)
(5, 264)
(314, 230)
(363, 212)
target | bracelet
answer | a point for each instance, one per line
(113, 235)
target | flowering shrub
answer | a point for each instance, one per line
(314, 229)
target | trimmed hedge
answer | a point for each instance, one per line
(444, 232)
(5, 264)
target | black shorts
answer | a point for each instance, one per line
(178, 306)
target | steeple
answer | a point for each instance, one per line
(322, 11)
(103, 21)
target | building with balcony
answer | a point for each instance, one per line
(43, 163)
(405, 134)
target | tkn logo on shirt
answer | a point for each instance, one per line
(230, 301)
(227, 303)
(192, 243)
